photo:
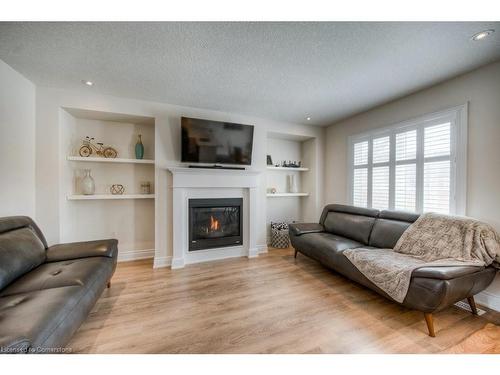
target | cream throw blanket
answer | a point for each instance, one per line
(432, 240)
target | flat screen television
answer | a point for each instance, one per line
(215, 142)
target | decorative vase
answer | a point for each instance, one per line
(88, 184)
(292, 184)
(139, 149)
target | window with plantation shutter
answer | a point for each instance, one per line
(360, 187)
(417, 166)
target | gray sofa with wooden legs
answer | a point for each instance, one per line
(46, 293)
(345, 227)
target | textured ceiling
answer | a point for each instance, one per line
(281, 71)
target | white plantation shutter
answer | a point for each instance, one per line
(437, 187)
(360, 175)
(406, 145)
(437, 140)
(437, 166)
(380, 188)
(412, 166)
(361, 153)
(405, 187)
(360, 187)
(381, 150)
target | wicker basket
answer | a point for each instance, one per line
(279, 235)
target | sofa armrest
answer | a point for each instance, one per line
(76, 250)
(445, 272)
(298, 229)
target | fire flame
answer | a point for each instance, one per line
(214, 223)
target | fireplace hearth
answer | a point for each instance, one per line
(215, 223)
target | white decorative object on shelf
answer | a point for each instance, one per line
(109, 196)
(292, 184)
(111, 160)
(270, 195)
(88, 184)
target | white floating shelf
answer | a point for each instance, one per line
(288, 169)
(276, 195)
(111, 160)
(82, 197)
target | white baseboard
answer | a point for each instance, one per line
(161, 262)
(262, 249)
(129, 255)
(487, 299)
(177, 263)
(253, 252)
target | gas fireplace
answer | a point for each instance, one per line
(215, 223)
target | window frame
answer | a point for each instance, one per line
(458, 118)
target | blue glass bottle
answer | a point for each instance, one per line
(139, 149)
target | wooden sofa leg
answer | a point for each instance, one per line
(430, 324)
(472, 304)
(295, 256)
(109, 284)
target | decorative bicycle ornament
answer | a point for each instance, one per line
(89, 147)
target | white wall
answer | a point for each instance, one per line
(17, 143)
(49, 102)
(481, 89)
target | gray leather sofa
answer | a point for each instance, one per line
(346, 227)
(47, 292)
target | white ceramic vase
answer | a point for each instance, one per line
(292, 184)
(88, 184)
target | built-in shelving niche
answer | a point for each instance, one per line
(129, 217)
(284, 205)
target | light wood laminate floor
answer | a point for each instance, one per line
(270, 304)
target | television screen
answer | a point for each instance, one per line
(205, 141)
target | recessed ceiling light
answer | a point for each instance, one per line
(308, 118)
(88, 83)
(483, 34)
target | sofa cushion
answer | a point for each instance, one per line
(9, 223)
(21, 250)
(386, 233)
(38, 315)
(323, 247)
(389, 227)
(355, 227)
(77, 272)
(371, 212)
(75, 250)
(409, 217)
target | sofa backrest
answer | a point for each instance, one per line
(368, 226)
(352, 222)
(389, 227)
(22, 248)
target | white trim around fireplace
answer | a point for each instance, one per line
(188, 183)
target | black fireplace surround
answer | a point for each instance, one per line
(215, 223)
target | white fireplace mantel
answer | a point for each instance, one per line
(188, 183)
(214, 177)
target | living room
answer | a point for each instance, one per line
(253, 187)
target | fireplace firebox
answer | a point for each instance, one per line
(215, 223)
